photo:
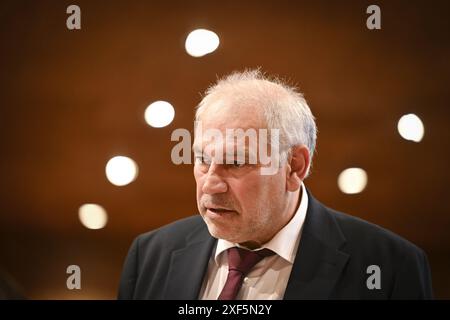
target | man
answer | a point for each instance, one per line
(261, 234)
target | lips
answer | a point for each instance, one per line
(219, 210)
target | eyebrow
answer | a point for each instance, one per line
(197, 150)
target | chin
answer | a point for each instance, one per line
(219, 233)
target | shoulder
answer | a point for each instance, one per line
(404, 266)
(173, 234)
(365, 235)
(355, 235)
(150, 257)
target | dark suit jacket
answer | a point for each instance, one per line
(331, 263)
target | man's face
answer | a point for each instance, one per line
(237, 202)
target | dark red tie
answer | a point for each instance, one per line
(240, 262)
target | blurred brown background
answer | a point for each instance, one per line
(71, 100)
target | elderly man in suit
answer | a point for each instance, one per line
(261, 234)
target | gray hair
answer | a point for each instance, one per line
(284, 106)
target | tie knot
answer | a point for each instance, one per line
(243, 260)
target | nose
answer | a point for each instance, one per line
(214, 183)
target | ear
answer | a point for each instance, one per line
(297, 167)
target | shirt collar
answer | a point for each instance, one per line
(285, 242)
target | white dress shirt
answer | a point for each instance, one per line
(268, 279)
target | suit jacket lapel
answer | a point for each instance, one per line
(188, 266)
(319, 262)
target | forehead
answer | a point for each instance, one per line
(228, 113)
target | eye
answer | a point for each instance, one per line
(202, 160)
(237, 164)
(199, 159)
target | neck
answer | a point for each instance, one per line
(252, 245)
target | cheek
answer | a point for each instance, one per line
(266, 192)
(275, 187)
(247, 192)
(198, 181)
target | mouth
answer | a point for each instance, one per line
(220, 211)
